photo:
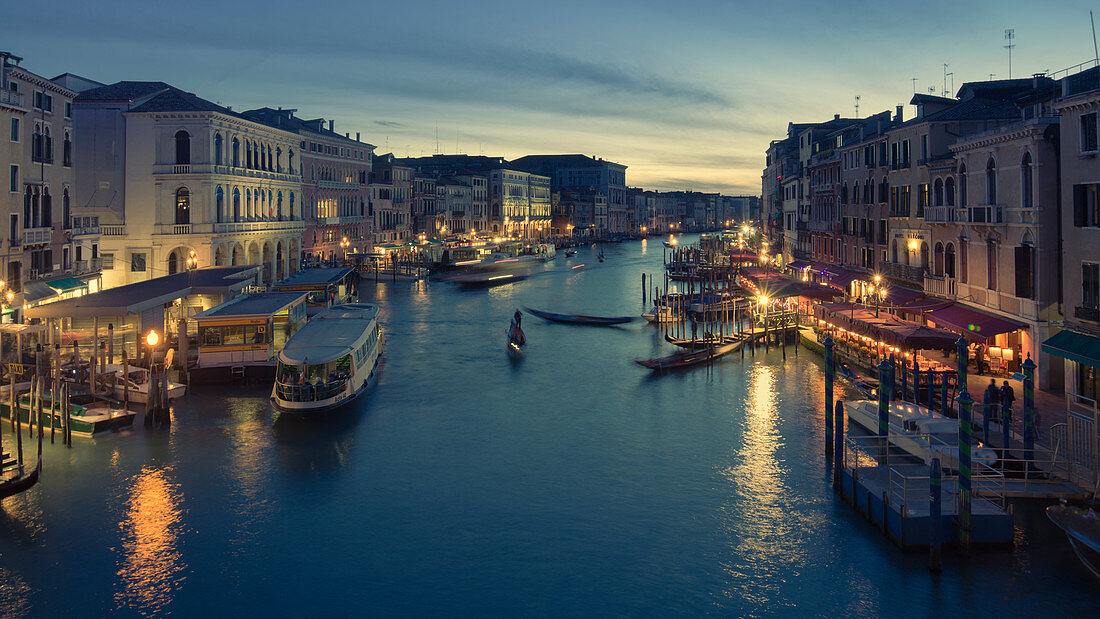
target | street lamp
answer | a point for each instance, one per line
(192, 261)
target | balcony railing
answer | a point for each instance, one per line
(9, 97)
(940, 214)
(112, 230)
(987, 214)
(1087, 313)
(903, 272)
(338, 185)
(941, 285)
(181, 228)
(87, 266)
(35, 236)
(258, 226)
(172, 168)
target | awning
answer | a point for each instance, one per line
(799, 264)
(922, 305)
(66, 284)
(972, 324)
(841, 278)
(37, 291)
(1075, 347)
(898, 295)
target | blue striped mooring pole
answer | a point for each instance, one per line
(830, 371)
(965, 404)
(960, 349)
(1029, 409)
(987, 411)
(885, 387)
(838, 444)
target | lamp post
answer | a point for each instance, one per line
(877, 290)
(344, 244)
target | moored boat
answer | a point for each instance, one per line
(580, 319)
(1082, 528)
(688, 358)
(89, 414)
(330, 361)
(660, 314)
(136, 382)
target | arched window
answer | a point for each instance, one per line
(949, 260)
(36, 143)
(269, 166)
(1025, 267)
(183, 206)
(66, 205)
(27, 207)
(173, 263)
(270, 204)
(279, 207)
(67, 151)
(248, 155)
(937, 192)
(236, 204)
(248, 203)
(183, 148)
(48, 146)
(217, 149)
(236, 153)
(1026, 182)
(949, 190)
(883, 190)
(937, 263)
(219, 203)
(894, 251)
(962, 186)
(291, 203)
(47, 208)
(290, 161)
(924, 255)
(991, 182)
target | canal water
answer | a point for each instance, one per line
(573, 482)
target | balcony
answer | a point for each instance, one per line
(37, 236)
(987, 214)
(941, 286)
(338, 185)
(903, 272)
(940, 214)
(1087, 313)
(258, 226)
(85, 226)
(112, 230)
(8, 97)
(87, 266)
(191, 169)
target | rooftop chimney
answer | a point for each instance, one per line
(897, 118)
(836, 116)
(332, 125)
(356, 136)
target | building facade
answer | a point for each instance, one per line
(169, 173)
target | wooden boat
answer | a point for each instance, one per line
(686, 359)
(708, 340)
(138, 379)
(569, 253)
(10, 486)
(660, 314)
(580, 319)
(515, 340)
(90, 415)
(1082, 528)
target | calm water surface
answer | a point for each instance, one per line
(570, 483)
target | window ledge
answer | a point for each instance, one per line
(1088, 154)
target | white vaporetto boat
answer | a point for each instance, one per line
(330, 361)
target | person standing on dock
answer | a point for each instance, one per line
(993, 393)
(1008, 396)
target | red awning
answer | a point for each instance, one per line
(799, 264)
(922, 305)
(974, 325)
(898, 295)
(841, 278)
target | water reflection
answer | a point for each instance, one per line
(151, 570)
(319, 443)
(15, 595)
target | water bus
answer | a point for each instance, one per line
(330, 361)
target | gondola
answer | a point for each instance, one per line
(703, 342)
(686, 359)
(580, 319)
(15, 485)
(569, 253)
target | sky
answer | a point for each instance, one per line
(687, 95)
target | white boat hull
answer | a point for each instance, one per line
(918, 443)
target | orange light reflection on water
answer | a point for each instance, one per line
(152, 564)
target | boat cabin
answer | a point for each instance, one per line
(249, 330)
(323, 287)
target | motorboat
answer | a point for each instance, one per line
(920, 432)
(89, 414)
(569, 253)
(660, 314)
(1082, 528)
(330, 361)
(136, 382)
(494, 270)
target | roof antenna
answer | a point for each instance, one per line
(1010, 36)
(914, 85)
(857, 106)
(1096, 54)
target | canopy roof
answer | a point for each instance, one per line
(976, 326)
(885, 328)
(329, 335)
(1079, 347)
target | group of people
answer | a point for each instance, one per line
(1002, 397)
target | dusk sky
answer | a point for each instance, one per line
(687, 95)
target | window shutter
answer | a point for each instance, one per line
(1023, 273)
(1080, 214)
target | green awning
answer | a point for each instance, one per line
(67, 284)
(1075, 347)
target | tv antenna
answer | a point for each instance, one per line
(857, 106)
(945, 76)
(914, 85)
(1010, 37)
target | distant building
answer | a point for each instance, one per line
(391, 200)
(519, 203)
(335, 184)
(169, 173)
(582, 173)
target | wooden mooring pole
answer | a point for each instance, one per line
(830, 368)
